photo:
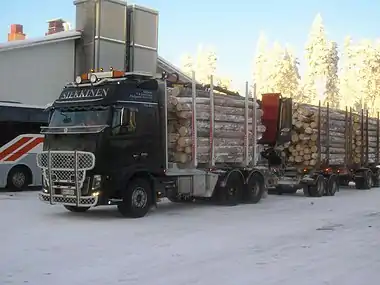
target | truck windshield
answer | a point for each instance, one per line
(69, 118)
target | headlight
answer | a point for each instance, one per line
(96, 182)
(93, 78)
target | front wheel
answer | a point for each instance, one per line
(75, 209)
(137, 199)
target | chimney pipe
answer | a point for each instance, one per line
(16, 33)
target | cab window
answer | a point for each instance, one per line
(124, 121)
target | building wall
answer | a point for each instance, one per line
(36, 74)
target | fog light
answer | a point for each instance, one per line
(95, 194)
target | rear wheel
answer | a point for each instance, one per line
(318, 189)
(137, 199)
(376, 179)
(365, 182)
(18, 178)
(255, 189)
(75, 209)
(332, 186)
(231, 193)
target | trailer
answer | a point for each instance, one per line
(107, 144)
(325, 177)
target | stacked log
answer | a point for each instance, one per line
(360, 139)
(304, 149)
(229, 127)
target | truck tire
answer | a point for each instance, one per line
(332, 185)
(18, 178)
(376, 179)
(319, 188)
(137, 199)
(76, 209)
(254, 189)
(231, 193)
(365, 182)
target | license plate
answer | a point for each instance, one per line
(67, 192)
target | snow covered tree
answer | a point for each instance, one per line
(223, 81)
(187, 64)
(260, 66)
(284, 76)
(316, 61)
(332, 80)
(348, 79)
(203, 63)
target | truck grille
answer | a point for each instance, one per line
(66, 160)
(62, 166)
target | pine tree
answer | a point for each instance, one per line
(316, 60)
(187, 64)
(260, 68)
(332, 80)
(348, 85)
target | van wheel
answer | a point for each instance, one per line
(75, 209)
(137, 199)
(18, 178)
(254, 190)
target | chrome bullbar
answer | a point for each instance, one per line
(66, 171)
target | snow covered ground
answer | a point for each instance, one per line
(283, 240)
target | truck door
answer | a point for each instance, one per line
(134, 137)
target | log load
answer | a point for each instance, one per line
(304, 150)
(229, 126)
(360, 138)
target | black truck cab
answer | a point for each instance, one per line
(99, 135)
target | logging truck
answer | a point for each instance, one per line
(326, 147)
(108, 143)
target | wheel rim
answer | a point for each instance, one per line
(139, 197)
(231, 192)
(18, 179)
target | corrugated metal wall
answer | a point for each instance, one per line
(36, 75)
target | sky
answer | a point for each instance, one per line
(230, 27)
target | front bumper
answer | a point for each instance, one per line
(85, 201)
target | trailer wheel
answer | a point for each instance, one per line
(75, 209)
(318, 189)
(137, 199)
(231, 193)
(254, 189)
(332, 185)
(376, 179)
(18, 178)
(365, 182)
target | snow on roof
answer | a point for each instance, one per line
(58, 37)
(71, 35)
